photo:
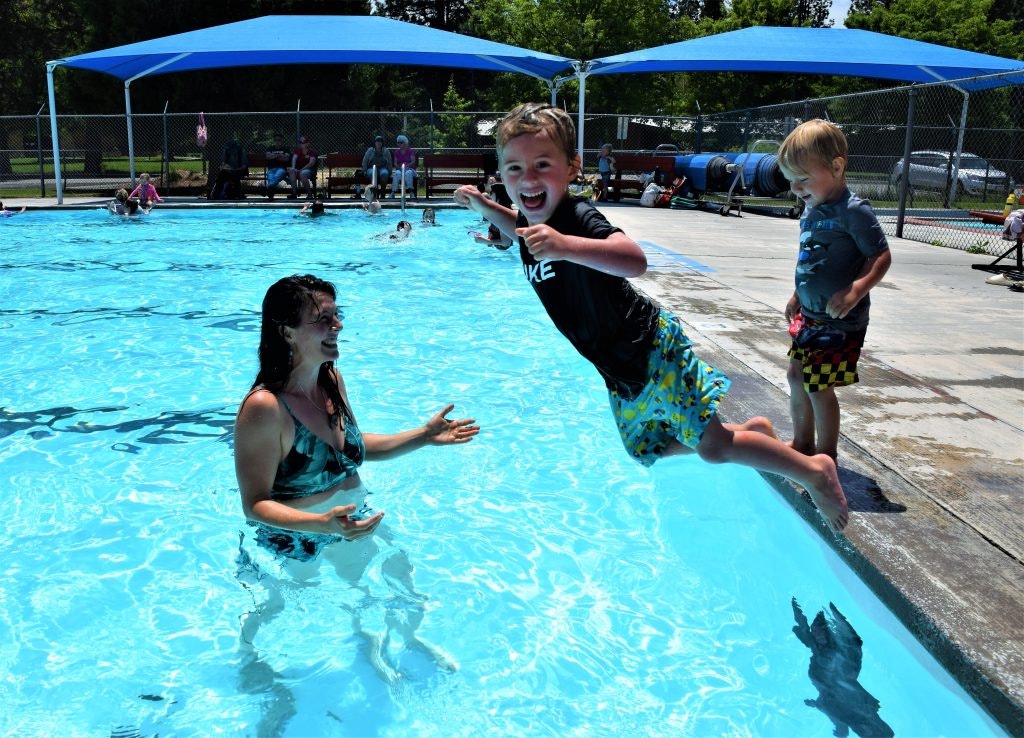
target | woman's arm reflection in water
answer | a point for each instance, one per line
(297, 453)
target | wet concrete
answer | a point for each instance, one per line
(932, 447)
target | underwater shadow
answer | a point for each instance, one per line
(836, 655)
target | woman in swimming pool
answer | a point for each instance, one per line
(297, 445)
(297, 454)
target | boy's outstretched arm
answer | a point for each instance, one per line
(618, 254)
(846, 299)
(468, 196)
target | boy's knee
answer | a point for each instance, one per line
(714, 444)
(712, 453)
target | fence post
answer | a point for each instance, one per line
(39, 152)
(165, 165)
(298, 118)
(907, 146)
(698, 140)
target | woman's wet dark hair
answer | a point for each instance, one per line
(283, 306)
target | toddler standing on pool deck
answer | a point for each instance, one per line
(843, 254)
(664, 399)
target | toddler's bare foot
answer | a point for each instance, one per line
(828, 494)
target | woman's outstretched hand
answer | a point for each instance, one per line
(340, 523)
(442, 430)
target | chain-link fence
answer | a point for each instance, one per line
(94, 155)
(966, 152)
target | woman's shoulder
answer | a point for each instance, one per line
(260, 403)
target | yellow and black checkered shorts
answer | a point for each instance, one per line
(833, 367)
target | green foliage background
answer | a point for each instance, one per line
(35, 31)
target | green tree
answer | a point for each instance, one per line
(53, 29)
(452, 131)
(581, 29)
(720, 91)
(963, 24)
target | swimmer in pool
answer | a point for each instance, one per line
(298, 450)
(401, 232)
(297, 445)
(372, 204)
(5, 213)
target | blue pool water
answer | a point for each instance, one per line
(535, 582)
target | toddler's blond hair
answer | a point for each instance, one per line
(813, 142)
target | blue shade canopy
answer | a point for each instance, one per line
(842, 51)
(314, 39)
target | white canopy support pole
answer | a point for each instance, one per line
(959, 146)
(509, 66)
(128, 106)
(552, 86)
(131, 138)
(50, 66)
(582, 70)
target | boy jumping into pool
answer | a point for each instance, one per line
(843, 254)
(664, 398)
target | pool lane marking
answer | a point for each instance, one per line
(667, 259)
(664, 259)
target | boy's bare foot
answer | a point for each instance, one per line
(805, 450)
(760, 424)
(828, 493)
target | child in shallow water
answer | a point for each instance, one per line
(402, 230)
(372, 204)
(313, 209)
(5, 213)
(145, 192)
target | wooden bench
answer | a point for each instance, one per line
(633, 165)
(447, 172)
(343, 170)
(255, 182)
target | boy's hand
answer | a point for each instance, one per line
(468, 196)
(842, 302)
(792, 308)
(544, 242)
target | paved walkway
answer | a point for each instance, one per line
(932, 453)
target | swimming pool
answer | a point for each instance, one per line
(573, 592)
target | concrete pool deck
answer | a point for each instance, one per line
(932, 450)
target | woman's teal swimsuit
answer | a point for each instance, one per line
(312, 466)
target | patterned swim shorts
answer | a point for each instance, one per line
(831, 367)
(680, 398)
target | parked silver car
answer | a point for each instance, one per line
(932, 170)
